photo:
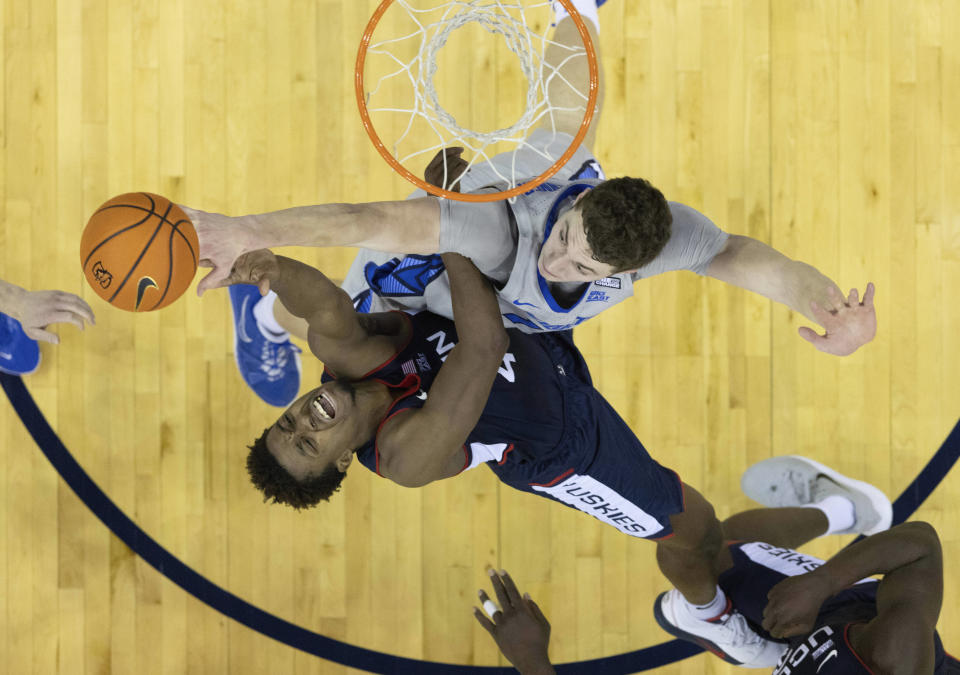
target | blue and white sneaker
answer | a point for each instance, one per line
(270, 368)
(19, 355)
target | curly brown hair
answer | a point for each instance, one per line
(627, 222)
(277, 484)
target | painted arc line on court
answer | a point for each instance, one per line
(341, 652)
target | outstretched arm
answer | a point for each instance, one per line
(900, 638)
(337, 334)
(425, 445)
(751, 264)
(410, 226)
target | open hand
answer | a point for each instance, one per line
(455, 167)
(849, 326)
(223, 239)
(36, 310)
(794, 603)
(519, 628)
(258, 268)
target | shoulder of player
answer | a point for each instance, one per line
(405, 441)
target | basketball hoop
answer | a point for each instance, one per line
(495, 17)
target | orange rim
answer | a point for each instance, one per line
(490, 196)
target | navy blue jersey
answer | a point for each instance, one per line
(544, 428)
(758, 567)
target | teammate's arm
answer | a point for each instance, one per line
(754, 266)
(409, 226)
(421, 446)
(900, 638)
(36, 310)
(336, 333)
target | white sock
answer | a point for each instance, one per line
(712, 609)
(586, 8)
(266, 322)
(838, 510)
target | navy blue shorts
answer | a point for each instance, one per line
(601, 467)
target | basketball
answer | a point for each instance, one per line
(139, 252)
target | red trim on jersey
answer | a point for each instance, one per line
(388, 361)
(466, 460)
(503, 457)
(411, 383)
(555, 480)
(846, 638)
(376, 445)
(683, 494)
(663, 538)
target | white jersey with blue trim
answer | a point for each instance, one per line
(382, 281)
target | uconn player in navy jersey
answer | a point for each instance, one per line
(421, 398)
(829, 617)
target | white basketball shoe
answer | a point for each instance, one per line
(728, 636)
(792, 480)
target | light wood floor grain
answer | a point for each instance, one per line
(828, 128)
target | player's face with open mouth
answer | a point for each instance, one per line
(566, 255)
(317, 429)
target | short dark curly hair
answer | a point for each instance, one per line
(627, 222)
(277, 484)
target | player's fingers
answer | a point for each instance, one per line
(835, 296)
(484, 621)
(77, 305)
(214, 279)
(810, 335)
(205, 262)
(853, 298)
(535, 609)
(823, 317)
(499, 590)
(510, 587)
(868, 295)
(264, 286)
(42, 335)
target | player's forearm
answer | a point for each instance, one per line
(806, 284)
(476, 312)
(881, 553)
(11, 297)
(302, 289)
(403, 227)
(757, 267)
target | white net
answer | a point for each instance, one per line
(415, 127)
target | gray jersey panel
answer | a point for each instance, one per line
(506, 249)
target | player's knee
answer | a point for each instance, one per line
(697, 528)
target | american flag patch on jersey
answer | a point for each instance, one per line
(408, 367)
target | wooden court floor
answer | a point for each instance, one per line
(828, 128)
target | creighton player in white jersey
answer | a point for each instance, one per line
(557, 261)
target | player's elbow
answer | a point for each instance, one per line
(923, 536)
(404, 472)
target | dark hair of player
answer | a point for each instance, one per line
(277, 484)
(627, 222)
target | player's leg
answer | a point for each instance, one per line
(785, 527)
(687, 557)
(571, 85)
(698, 609)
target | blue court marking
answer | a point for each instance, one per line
(340, 652)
